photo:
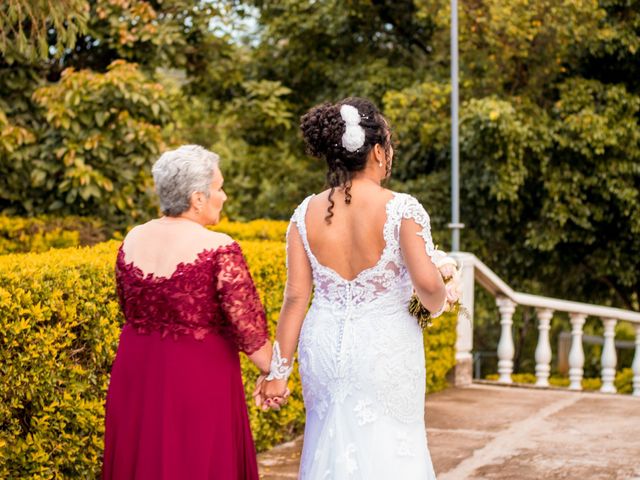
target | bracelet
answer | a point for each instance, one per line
(280, 368)
(441, 311)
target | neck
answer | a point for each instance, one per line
(367, 176)
(184, 217)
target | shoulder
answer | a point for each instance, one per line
(216, 240)
(301, 209)
(411, 207)
(135, 232)
(404, 198)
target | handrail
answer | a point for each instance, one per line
(507, 300)
(496, 286)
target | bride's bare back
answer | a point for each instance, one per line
(353, 241)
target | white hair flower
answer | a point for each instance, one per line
(353, 136)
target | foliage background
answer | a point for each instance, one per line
(59, 328)
(92, 90)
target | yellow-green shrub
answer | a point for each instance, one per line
(60, 323)
(274, 230)
(439, 348)
(39, 234)
(622, 381)
(59, 329)
(42, 233)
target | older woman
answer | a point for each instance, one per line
(176, 405)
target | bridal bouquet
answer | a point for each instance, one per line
(452, 277)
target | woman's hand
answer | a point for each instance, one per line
(273, 394)
(257, 394)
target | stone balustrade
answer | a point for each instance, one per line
(507, 300)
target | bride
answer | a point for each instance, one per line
(362, 249)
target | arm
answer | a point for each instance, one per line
(261, 358)
(294, 307)
(417, 247)
(240, 302)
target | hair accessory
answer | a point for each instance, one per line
(353, 136)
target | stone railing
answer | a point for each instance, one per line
(507, 300)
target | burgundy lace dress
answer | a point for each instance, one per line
(176, 407)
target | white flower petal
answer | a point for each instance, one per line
(350, 115)
(353, 138)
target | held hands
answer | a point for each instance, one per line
(271, 391)
(270, 394)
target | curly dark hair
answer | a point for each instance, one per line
(322, 128)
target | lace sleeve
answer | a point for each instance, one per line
(297, 221)
(239, 300)
(415, 211)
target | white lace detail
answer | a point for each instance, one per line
(280, 368)
(361, 359)
(404, 447)
(347, 459)
(372, 282)
(364, 412)
(418, 214)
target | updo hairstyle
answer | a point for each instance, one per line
(179, 173)
(322, 128)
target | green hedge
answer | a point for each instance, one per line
(622, 382)
(440, 350)
(39, 234)
(59, 324)
(274, 230)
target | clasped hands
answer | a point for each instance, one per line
(270, 394)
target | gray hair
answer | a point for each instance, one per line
(181, 172)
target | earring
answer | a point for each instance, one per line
(380, 164)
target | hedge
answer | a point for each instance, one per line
(59, 324)
(274, 230)
(622, 382)
(39, 234)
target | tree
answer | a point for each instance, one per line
(549, 103)
(333, 49)
(30, 29)
(80, 123)
(105, 131)
(262, 158)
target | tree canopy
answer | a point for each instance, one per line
(92, 90)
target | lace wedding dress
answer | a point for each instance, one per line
(362, 365)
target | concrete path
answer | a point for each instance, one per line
(496, 432)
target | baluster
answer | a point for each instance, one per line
(576, 353)
(608, 360)
(505, 347)
(636, 365)
(543, 349)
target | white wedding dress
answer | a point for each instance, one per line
(362, 365)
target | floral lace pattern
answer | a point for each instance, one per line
(212, 294)
(361, 358)
(364, 412)
(381, 278)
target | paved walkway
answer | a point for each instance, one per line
(494, 432)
